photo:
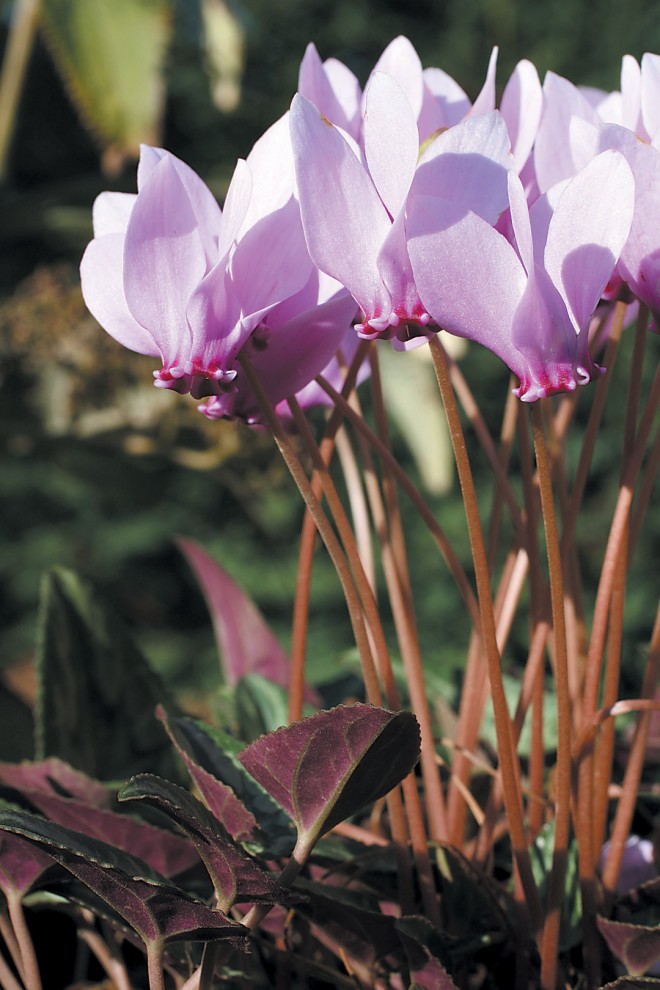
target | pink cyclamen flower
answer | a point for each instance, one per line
(354, 204)
(529, 302)
(170, 275)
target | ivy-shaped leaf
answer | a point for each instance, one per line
(97, 694)
(234, 797)
(156, 910)
(637, 946)
(234, 875)
(328, 766)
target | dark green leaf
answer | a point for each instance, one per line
(97, 695)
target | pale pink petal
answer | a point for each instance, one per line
(521, 105)
(396, 273)
(236, 206)
(587, 232)
(485, 101)
(469, 163)
(333, 89)
(205, 208)
(101, 274)
(391, 142)
(348, 92)
(111, 212)
(401, 61)
(164, 260)
(271, 261)
(445, 103)
(631, 95)
(217, 334)
(469, 277)
(650, 93)
(520, 221)
(554, 159)
(344, 219)
(273, 175)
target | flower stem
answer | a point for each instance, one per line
(550, 942)
(31, 974)
(510, 769)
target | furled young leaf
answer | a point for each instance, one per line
(110, 54)
(326, 767)
(97, 695)
(155, 909)
(165, 852)
(426, 970)
(235, 876)
(261, 706)
(245, 642)
(17, 739)
(637, 946)
(54, 776)
(234, 797)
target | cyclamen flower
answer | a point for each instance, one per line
(353, 208)
(170, 275)
(529, 302)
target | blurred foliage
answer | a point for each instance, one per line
(99, 471)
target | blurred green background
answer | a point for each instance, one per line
(98, 470)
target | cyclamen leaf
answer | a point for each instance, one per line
(234, 875)
(54, 776)
(155, 909)
(637, 946)
(97, 693)
(21, 864)
(326, 767)
(217, 754)
(245, 642)
(426, 970)
(167, 853)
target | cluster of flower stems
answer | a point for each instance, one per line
(585, 667)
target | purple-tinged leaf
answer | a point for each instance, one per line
(234, 875)
(633, 983)
(637, 946)
(245, 643)
(426, 970)
(328, 766)
(365, 935)
(167, 853)
(54, 776)
(156, 910)
(239, 802)
(21, 865)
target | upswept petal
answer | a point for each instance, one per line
(111, 212)
(271, 261)
(587, 232)
(631, 95)
(101, 274)
(485, 101)
(521, 106)
(331, 91)
(469, 164)
(391, 141)
(445, 103)
(469, 277)
(344, 219)
(205, 208)
(396, 273)
(164, 260)
(401, 61)
(236, 205)
(520, 222)
(348, 92)
(650, 94)
(554, 158)
(214, 317)
(273, 176)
